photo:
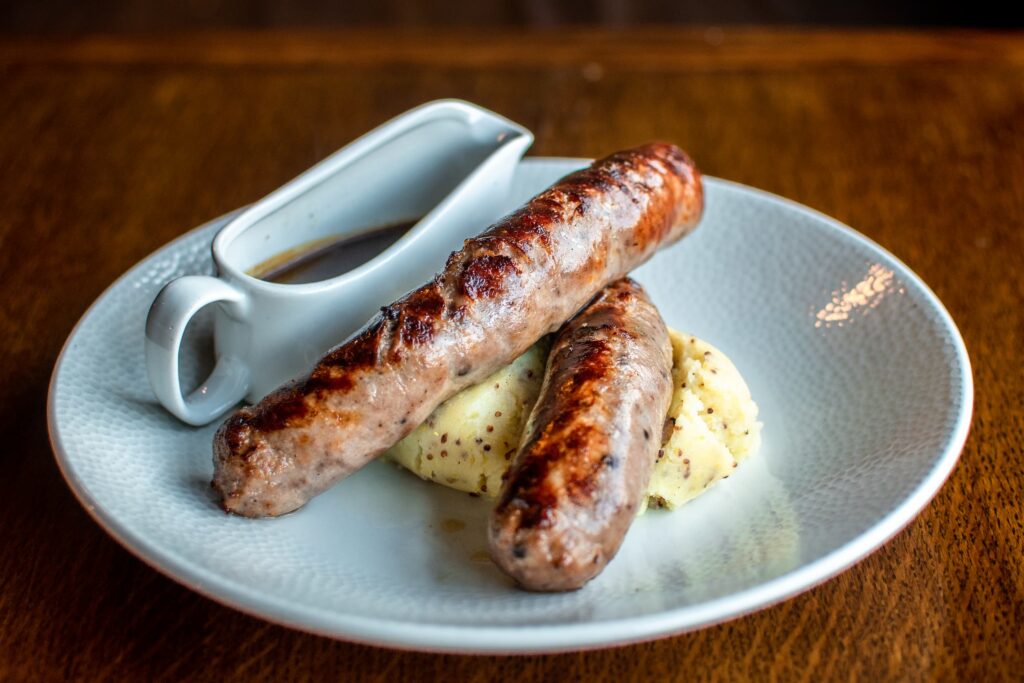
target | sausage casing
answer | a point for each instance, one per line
(506, 288)
(589, 445)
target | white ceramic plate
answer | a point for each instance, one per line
(865, 393)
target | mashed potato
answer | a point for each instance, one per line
(469, 441)
(714, 423)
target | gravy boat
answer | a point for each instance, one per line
(448, 161)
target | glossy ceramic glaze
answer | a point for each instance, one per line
(865, 393)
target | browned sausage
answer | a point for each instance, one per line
(589, 446)
(506, 288)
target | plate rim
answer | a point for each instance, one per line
(537, 639)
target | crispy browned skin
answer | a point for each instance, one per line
(589, 446)
(505, 288)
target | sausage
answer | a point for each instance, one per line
(506, 288)
(589, 444)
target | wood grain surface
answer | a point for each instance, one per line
(110, 147)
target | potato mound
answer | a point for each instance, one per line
(713, 423)
(468, 442)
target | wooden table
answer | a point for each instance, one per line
(110, 147)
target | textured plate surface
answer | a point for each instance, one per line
(865, 393)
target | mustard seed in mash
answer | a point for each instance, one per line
(468, 442)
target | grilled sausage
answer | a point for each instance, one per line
(506, 288)
(589, 445)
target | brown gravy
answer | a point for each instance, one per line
(329, 257)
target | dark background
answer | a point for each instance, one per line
(117, 16)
